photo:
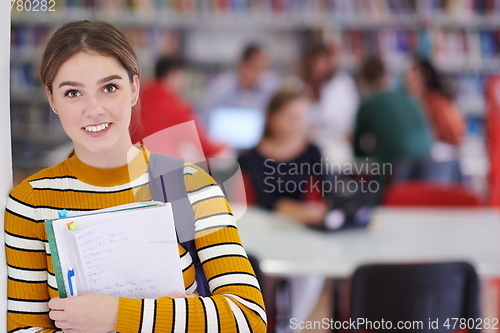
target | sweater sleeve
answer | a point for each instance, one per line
(236, 304)
(28, 276)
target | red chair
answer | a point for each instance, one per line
(417, 193)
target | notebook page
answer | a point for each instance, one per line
(65, 255)
(129, 253)
(65, 247)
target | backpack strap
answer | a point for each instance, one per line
(166, 182)
(166, 174)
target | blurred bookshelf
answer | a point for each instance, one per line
(461, 36)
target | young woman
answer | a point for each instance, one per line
(279, 173)
(335, 101)
(91, 78)
(425, 84)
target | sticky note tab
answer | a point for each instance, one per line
(72, 225)
(62, 213)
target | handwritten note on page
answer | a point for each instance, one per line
(126, 253)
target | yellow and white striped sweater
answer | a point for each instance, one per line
(236, 304)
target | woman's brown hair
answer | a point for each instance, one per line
(277, 102)
(84, 36)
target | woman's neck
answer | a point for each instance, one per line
(285, 140)
(283, 148)
(113, 158)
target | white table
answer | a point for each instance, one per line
(397, 235)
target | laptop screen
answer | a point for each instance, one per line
(240, 128)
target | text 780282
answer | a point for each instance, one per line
(33, 5)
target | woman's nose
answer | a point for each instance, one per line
(93, 107)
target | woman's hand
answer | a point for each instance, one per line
(312, 212)
(315, 212)
(89, 312)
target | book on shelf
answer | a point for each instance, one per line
(456, 50)
(374, 9)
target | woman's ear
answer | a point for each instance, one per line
(50, 97)
(136, 87)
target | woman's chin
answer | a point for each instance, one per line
(106, 145)
(103, 148)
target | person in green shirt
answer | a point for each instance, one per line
(390, 126)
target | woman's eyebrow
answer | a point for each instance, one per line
(109, 78)
(101, 81)
(71, 83)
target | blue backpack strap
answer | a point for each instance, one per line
(166, 174)
(167, 185)
(202, 288)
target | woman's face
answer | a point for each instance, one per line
(291, 119)
(414, 81)
(93, 97)
(321, 67)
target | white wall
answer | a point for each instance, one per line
(5, 151)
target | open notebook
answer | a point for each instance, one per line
(124, 251)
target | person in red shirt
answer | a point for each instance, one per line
(162, 107)
(426, 85)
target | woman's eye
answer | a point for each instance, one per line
(110, 88)
(72, 93)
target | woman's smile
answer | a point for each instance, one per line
(97, 130)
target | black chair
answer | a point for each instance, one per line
(416, 292)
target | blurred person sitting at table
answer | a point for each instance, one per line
(425, 84)
(335, 101)
(270, 167)
(272, 181)
(162, 106)
(250, 86)
(390, 125)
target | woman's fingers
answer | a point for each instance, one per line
(56, 315)
(56, 303)
(62, 325)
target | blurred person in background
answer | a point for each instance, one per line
(390, 125)
(335, 101)
(162, 106)
(249, 86)
(425, 84)
(273, 181)
(284, 145)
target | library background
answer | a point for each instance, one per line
(461, 37)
